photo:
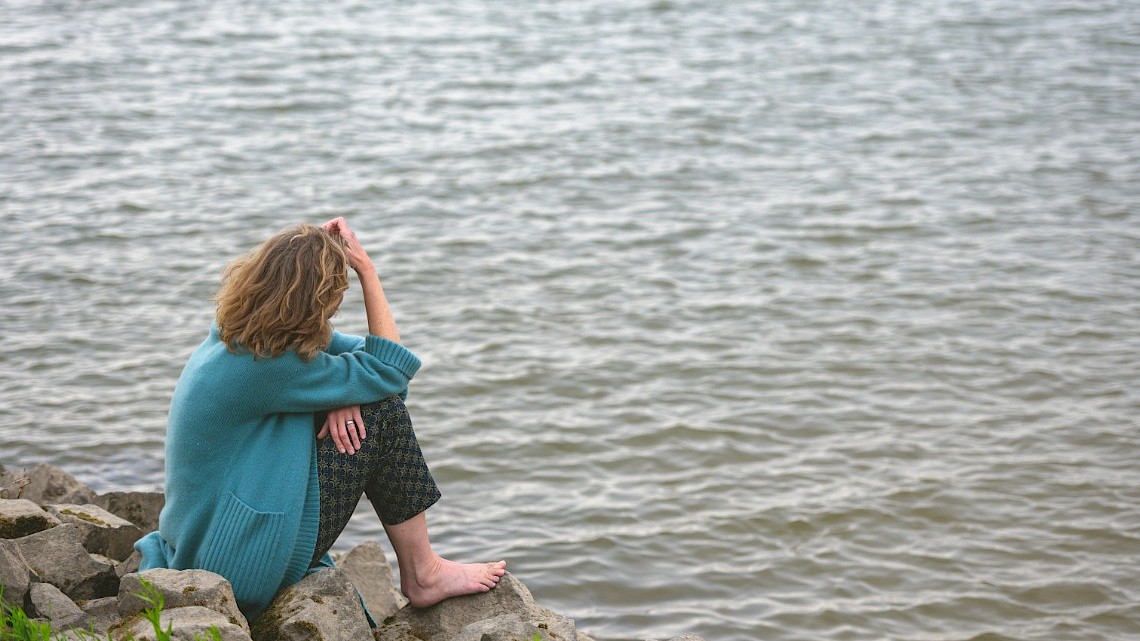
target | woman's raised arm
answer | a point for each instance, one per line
(380, 320)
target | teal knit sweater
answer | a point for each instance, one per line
(242, 497)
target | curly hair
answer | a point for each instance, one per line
(282, 295)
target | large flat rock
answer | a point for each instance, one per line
(505, 612)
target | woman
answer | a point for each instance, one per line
(250, 494)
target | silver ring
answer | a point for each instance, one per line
(350, 422)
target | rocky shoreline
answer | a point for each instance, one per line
(66, 558)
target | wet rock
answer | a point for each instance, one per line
(507, 610)
(49, 484)
(181, 589)
(140, 508)
(324, 606)
(48, 602)
(57, 556)
(21, 517)
(102, 532)
(368, 570)
(190, 623)
(14, 575)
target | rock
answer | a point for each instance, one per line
(57, 556)
(190, 623)
(101, 613)
(131, 564)
(48, 602)
(21, 517)
(140, 508)
(324, 606)
(102, 532)
(50, 484)
(505, 627)
(180, 589)
(11, 484)
(507, 609)
(14, 575)
(72, 635)
(368, 570)
(685, 637)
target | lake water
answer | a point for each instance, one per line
(781, 320)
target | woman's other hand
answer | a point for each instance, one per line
(346, 427)
(357, 258)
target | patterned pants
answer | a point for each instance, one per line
(389, 467)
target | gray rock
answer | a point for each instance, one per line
(180, 589)
(140, 508)
(505, 627)
(57, 557)
(131, 564)
(50, 484)
(102, 532)
(48, 602)
(12, 485)
(510, 606)
(185, 624)
(368, 570)
(14, 575)
(323, 606)
(21, 517)
(102, 614)
(72, 635)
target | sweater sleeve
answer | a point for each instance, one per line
(381, 369)
(342, 343)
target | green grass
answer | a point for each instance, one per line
(15, 625)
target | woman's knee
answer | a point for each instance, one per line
(384, 411)
(387, 419)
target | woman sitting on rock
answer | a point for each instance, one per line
(250, 493)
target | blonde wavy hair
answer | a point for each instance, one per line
(282, 295)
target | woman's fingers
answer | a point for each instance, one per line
(359, 423)
(351, 437)
(357, 257)
(347, 429)
(340, 438)
(335, 225)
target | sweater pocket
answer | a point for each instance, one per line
(244, 546)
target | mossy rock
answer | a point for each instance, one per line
(85, 517)
(19, 518)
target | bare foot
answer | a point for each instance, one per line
(442, 579)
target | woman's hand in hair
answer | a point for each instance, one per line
(357, 258)
(346, 427)
(380, 320)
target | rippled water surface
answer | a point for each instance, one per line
(758, 320)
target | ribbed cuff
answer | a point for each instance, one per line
(393, 354)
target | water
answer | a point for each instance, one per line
(758, 320)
